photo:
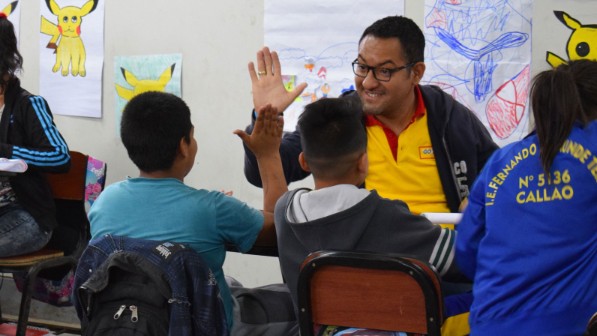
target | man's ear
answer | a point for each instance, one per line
(418, 71)
(303, 162)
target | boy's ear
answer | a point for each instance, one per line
(363, 164)
(184, 147)
(303, 162)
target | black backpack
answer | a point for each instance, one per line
(125, 296)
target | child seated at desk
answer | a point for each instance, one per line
(338, 215)
(530, 243)
(157, 132)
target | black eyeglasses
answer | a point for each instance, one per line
(380, 73)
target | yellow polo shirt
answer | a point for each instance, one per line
(409, 171)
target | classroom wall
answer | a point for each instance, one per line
(216, 39)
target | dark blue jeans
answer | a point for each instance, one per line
(19, 232)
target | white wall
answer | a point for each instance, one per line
(216, 39)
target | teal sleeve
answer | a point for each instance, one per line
(238, 223)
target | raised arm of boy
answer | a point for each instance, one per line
(264, 142)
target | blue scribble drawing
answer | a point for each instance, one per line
(482, 58)
(479, 52)
(479, 31)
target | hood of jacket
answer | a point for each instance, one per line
(349, 215)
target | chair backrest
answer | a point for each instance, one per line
(72, 233)
(70, 185)
(368, 290)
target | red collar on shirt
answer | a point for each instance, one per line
(371, 120)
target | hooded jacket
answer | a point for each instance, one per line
(355, 223)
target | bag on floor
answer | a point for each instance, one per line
(52, 291)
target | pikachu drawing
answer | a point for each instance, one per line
(66, 36)
(143, 85)
(9, 8)
(582, 43)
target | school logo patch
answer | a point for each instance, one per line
(426, 153)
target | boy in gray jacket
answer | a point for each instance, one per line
(338, 215)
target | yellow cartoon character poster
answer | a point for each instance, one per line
(581, 44)
(71, 55)
(137, 74)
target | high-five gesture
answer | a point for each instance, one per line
(264, 142)
(267, 84)
(267, 133)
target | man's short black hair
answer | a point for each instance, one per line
(152, 125)
(332, 136)
(405, 30)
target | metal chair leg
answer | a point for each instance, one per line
(1, 319)
(25, 303)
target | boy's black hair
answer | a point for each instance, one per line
(152, 125)
(332, 136)
(405, 30)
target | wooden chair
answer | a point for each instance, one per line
(68, 241)
(367, 290)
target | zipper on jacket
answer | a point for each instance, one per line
(134, 314)
(119, 312)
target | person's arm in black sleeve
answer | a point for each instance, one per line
(43, 147)
(486, 145)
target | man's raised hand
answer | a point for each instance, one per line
(267, 84)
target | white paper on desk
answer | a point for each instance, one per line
(13, 165)
(442, 217)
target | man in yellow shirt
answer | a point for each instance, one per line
(424, 147)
